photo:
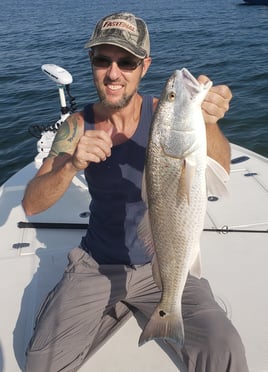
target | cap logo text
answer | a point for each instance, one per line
(118, 23)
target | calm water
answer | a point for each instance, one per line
(223, 39)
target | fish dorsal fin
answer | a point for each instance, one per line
(156, 272)
(145, 233)
(216, 178)
(143, 188)
(144, 228)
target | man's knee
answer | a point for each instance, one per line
(214, 345)
(225, 349)
(225, 338)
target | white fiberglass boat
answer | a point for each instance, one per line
(34, 251)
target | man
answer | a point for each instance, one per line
(110, 272)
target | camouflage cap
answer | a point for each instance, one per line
(123, 30)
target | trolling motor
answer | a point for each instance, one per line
(46, 134)
(62, 78)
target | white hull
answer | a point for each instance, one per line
(32, 261)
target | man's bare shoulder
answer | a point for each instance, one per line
(68, 135)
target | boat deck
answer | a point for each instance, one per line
(234, 260)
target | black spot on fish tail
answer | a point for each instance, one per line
(165, 326)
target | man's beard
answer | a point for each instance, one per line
(123, 101)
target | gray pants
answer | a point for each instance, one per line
(92, 301)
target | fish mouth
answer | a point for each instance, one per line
(188, 76)
(183, 78)
(190, 81)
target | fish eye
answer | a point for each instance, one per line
(171, 96)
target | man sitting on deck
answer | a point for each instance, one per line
(110, 272)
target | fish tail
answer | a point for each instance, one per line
(168, 327)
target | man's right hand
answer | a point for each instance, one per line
(94, 146)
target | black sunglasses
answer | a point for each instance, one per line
(125, 64)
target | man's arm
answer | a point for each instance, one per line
(56, 173)
(71, 151)
(214, 107)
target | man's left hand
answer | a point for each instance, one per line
(216, 103)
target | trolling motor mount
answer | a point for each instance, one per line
(46, 133)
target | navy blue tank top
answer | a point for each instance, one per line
(116, 208)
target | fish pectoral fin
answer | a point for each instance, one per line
(216, 178)
(189, 174)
